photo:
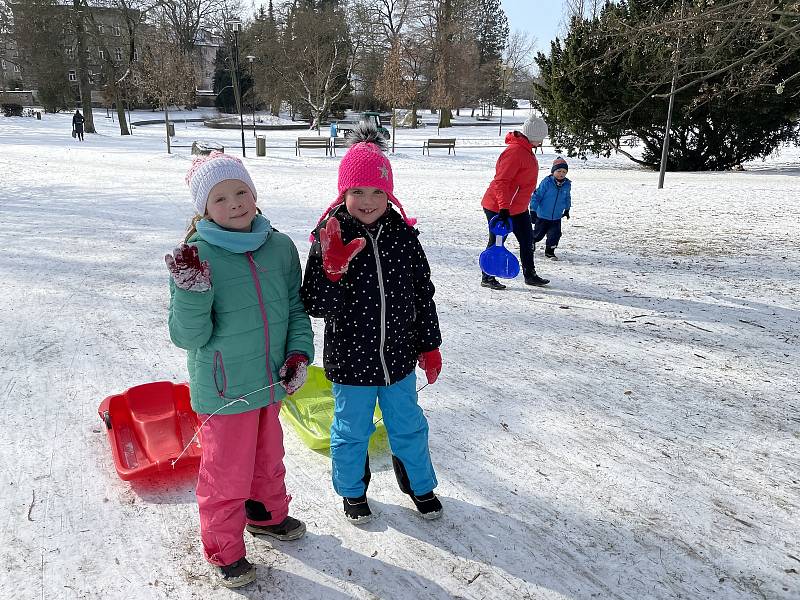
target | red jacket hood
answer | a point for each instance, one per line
(516, 137)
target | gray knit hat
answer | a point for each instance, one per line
(208, 171)
(535, 129)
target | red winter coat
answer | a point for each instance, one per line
(517, 172)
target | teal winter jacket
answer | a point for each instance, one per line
(253, 305)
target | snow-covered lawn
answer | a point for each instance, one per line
(631, 431)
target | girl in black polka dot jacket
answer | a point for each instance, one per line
(368, 277)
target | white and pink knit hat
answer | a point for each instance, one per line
(366, 165)
(208, 171)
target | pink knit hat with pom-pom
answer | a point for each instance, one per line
(208, 171)
(366, 165)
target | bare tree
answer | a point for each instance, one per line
(164, 75)
(394, 87)
(320, 56)
(116, 61)
(186, 17)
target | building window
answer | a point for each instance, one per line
(3, 64)
(100, 29)
(102, 54)
(70, 52)
(72, 76)
(135, 55)
(117, 31)
(118, 54)
(17, 69)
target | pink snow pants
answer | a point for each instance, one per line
(242, 459)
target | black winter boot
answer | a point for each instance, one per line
(550, 252)
(357, 510)
(236, 574)
(531, 278)
(490, 282)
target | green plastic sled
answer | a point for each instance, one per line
(310, 411)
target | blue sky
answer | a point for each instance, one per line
(538, 17)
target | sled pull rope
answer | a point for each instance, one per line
(234, 401)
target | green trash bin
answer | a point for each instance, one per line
(171, 129)
(261, 145)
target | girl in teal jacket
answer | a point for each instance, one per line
(235, 308)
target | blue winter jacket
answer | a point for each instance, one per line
(549, 201)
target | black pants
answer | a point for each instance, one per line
(523, 231)
(546, 227)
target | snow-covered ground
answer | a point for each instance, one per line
(631, 431)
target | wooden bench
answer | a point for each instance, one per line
(338, 142)
(449, 143)
(312, 142)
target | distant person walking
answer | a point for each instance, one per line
(509, 194)
(77, 125)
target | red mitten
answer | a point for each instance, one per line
(186, 269)
(294, 371)
(335, 255)
(431, 363)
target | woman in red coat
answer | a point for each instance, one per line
(510, 192)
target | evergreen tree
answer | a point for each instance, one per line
(596, 89)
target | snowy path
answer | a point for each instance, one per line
(631, 431)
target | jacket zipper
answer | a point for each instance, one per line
(374, 241)
(558, 193)
(265, 322)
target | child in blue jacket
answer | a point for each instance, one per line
(549, 203)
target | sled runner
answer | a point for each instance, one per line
(310, 411)
(148, 426)
(497, 261)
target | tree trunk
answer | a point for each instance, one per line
(83, 74)
(444, 119)
(166, 126)
(414, 123)
(123, 122)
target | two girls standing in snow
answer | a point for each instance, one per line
(368, 277)
(549, 204)
(235, 307)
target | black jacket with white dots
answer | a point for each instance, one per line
(380, 315)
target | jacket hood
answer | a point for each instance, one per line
(515, 137)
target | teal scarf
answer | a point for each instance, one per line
(237, 242)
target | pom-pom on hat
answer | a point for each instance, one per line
(208, 171)
(366, 165)
(535, 129)
(559, 163)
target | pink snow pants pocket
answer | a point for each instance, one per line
(242, 460)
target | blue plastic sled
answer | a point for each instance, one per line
(497, 261)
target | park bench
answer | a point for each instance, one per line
(449, 143)
(338, 142)
(312, 142)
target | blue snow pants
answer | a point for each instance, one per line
(546, 227)
(354, 406)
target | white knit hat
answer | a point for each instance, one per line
(535, 129)
(208, 171)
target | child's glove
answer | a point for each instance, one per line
(505, 216)
(294, 371)
(431, 363)
(187, 271)
(566, 213)
(335, 255)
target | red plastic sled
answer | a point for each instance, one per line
(149, 426)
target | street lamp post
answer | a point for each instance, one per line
(236, 27)
(250, 59)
